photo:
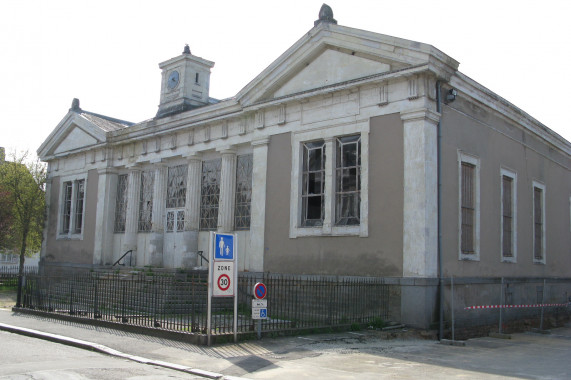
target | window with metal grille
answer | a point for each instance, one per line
(348, 181)
(242, 209)
(468, 206)
(538, 223)
(313, 184)
(66, 211)
(121, 203)
(146, 201)
(507, 217)
(210, 194)
(176, 186)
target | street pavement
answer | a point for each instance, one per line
(366, 354)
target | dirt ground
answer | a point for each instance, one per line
(7, 299)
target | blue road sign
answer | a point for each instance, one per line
(260, 291)
(263, 313)
(224, 247)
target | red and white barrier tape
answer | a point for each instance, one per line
(514, 306)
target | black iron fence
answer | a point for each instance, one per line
(9, 275)
(178, 301)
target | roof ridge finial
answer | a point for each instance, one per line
(186, 49)
(75, 105)
(325, 15)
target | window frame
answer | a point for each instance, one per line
(242, 222)
(210, 223)
(513, 175)
(540, 186)
(475, 162)
(145, 214)
(329, 135)
(120, 220)
(73, 232)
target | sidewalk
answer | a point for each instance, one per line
(363, 355)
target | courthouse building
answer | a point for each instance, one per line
(328, 162)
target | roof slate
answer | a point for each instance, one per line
(107, 124)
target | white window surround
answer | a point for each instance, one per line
(464, 157)
(539, 185)
(513, 176)
(328, 228)
(74, 180)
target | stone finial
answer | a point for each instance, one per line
(186, 49)
(325, 15)
(75, 105)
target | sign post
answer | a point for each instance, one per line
(222, 274)
(260, 305)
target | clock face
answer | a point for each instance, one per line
(172, 82)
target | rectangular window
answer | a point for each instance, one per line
(79, 202)
(210, 194)
(146, 201)
(313, 184)
(242, 211)
(508, 215)
(538, 223)
(469, 199)
(175, 221)
(73, 208)
(121, 203)
(348, 181)
(66, 213)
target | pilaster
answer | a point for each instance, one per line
(132, 215)
(192, 209)
(227, 191)
(255, 260)
(156, 242)
(105, 217)
(420, 218)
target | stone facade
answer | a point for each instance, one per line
(336, 92)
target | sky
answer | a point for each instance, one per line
(106, 53)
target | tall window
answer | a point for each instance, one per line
(210, 194)
(73, 207)
(244, 165)
(121, 203)
(146, 201)
(348, 181)
(469, 207)
(176, 198)
(508, 212)
(538, 223)
(313, 184)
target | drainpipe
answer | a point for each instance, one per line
(439, 211)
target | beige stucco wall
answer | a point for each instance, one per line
(500, 144)
(72, 250)
(379, 254)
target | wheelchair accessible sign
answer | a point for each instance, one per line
(223, 265)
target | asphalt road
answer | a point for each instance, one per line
(22, 357)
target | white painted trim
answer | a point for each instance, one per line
(70, 235)
(541, 186)
(513, 176)
(464, 157)
(329, 229)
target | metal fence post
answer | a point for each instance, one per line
(542, 306)
(452, 303)
(500, 329)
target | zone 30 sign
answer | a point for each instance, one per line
(223, 265)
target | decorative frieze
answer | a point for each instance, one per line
(190, 138)
(157, 145)
(207, 134)
(172, 141)
(242, 126)
(413, 88)
(384, 94)
(282, 115)
(259, 120)
(224, 134)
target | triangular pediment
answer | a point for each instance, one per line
(331, 67)
(330, 54)
(75, 139)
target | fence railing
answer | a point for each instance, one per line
(9, 274)
(178, 301)
(477, 306)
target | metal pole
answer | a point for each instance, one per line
(452, 303)
(542, 307)
(501, 304)
(209, 302)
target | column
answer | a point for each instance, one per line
(227, 191)
(420, 218)
(155, 248)
(189, 257)
(132, 217)
(105, 216)
(329, 201)
(255, 259)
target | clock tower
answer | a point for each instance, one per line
(185, 84)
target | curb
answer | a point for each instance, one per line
(109, 351)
